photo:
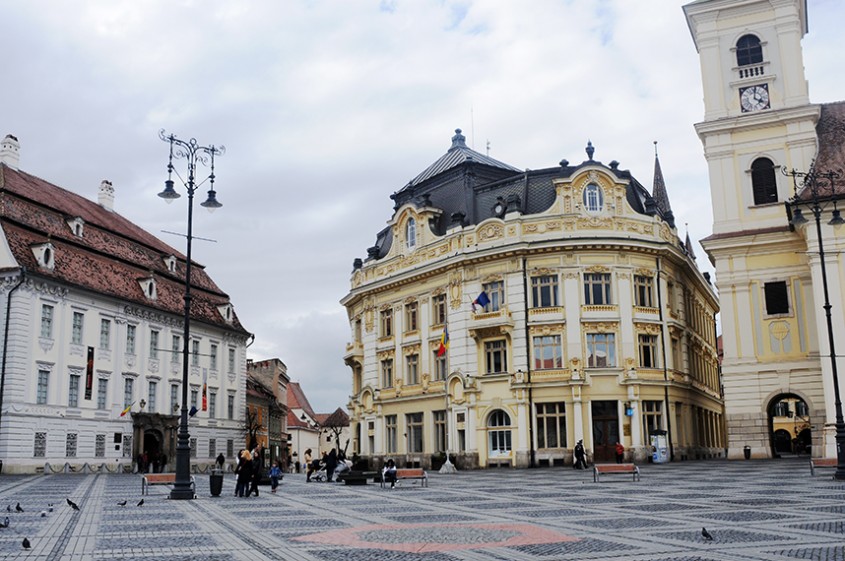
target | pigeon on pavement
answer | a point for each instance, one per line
(5, 523)
(43, 514)
(706, 535)
(49, 507)
(25, 543)
(72, 504)
(122, 503)
(141, 502)
(18, 507)
(8, 508)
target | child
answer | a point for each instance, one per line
(275, 474)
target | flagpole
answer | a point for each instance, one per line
(448, 466)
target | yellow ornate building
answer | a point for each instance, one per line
(758, 123)
(595, 323)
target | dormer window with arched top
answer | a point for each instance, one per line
(411, 233)
(593, 198)
(45, 255)
(170, 263)
(227, 312)
(749, 50)
(77, 226)
(149, 287)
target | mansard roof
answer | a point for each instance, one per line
(109, 258)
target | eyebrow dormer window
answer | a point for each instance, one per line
(749, 50)
(77, 226)
(593, 198)
(411, 233)
(148, 286)
(44, 255)
(170, 263)
(227, 312)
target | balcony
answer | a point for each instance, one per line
(354, 353)
(547, 314)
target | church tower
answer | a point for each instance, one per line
(758, 121)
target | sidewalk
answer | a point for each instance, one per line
(755, 510)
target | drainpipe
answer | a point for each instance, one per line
(665, 366)
(528, 368)
(6, 346)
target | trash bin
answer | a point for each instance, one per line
(659, 447)
(746, 451)
(215, 482)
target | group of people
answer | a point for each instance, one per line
(333, 462)
(151, 463)
(250, 470)
(581, 455)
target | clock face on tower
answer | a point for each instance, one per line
(754, 98)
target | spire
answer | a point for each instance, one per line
(659, 194)
(688, 244)
(459, 140)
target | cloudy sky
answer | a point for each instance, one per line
(328, 107)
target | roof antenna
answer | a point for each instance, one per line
(655, 148)
(488, 148)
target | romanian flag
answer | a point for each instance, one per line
(444, 341)
(205, 397)
(125, 411)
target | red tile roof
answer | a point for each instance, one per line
(831, 155)
(297, 400)
(111, 256)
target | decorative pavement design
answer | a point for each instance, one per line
(755, 510)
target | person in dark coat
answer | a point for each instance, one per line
(331, 464)
(221, 460)
(580, 456)
(257, 470)
(244, 473)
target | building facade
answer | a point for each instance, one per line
(92, 308)
(759, 123)
(267, 409)
(571, 309)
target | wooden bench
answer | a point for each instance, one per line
(161, 479)
(357, 477)
(410, 473)
(822, 462)
(599, 469)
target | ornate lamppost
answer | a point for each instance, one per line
(194, 154)
(818, 192)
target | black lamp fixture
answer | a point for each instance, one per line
(194, 154)
(818, 192)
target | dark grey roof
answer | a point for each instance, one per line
(455, 156)
(658, 191)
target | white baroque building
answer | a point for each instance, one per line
(92, 309)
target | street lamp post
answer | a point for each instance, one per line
(818, 192)
(194, 154)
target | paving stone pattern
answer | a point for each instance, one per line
(755, 510)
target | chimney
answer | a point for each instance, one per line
(106, 197)
(10, 151)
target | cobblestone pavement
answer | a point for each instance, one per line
(754, 510)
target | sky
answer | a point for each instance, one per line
(325, 108)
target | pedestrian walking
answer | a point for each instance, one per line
(275, 475)
(257, 470)
(580, 456)
(309, 468)
(244, 473)
(331, 464)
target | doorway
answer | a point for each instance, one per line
(605, 430)
(152, 451)
(789, 426)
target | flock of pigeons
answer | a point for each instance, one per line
(26, 544)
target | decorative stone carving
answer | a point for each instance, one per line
(545, 330)
(648, 328)
(455, 289)
(490, 232)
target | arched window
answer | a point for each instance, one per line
(763, 181)
(593, 198)
(411, 233)
(499, 437)
(748, 50)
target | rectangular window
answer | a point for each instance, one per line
(43, 386)
(76, 331)
(496, 293)
(195, 353)
(386, 317)
(547, 352)
(105, 334)
(39, 449)
(230, 448)
(643, 291)
(175, 347)
(231, 360)
(601, 350)
(100, 446)
(439, 431)
(193, 444)
(128, 391)
(415, 432)
(411, 316)
(127, 445)
(212, 404)
(440, 366)
(154, 344)
(596, 289)
(438, 309)
(174, 398)
(387, 373)
(230, 405)
(212, 447)
(544, 291)
(648, 350)
(551, 425)
(390, 433)
(212, 358)
(194, 396)
(412, 369)
(70, 445)
(496, 356)
(46, 321)
(151, 396)
(777, 298)
(677, 358)
(102, 392)
(73, 391)
(130, 339)
(652, 417)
